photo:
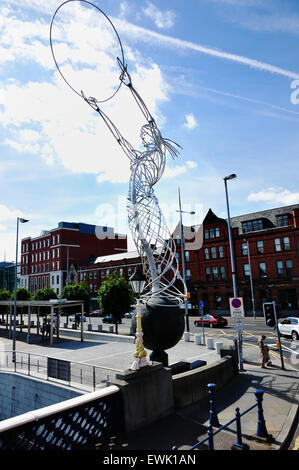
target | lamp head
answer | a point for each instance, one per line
(137, 281)
(230, 177)
(23, 221)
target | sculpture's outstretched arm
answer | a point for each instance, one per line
(125, 145)
(161, 143)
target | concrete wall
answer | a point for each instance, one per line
(19, 394)
(191, 386)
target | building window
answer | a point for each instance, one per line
(207, 253)
(48, 242)
(286, 243)
(206, 234)
(289, 267)
(222, 273)
(217, 232)
(208, 274)
(44, 243)
(188, 274)
(215, 273)
(220, 251)
(53, 254)
(212, 233)
(53, 280)
(246, 270)
(277, 244)
(40, 245)
(187, 256)
(279, 266)
(262, 270)
(53, 266)
(260, 246)
(252, 225)
(282, 220)
(58, 238)
(213, 252)
(95, 275)
(102, 273)
(57, 252)
(57, 265)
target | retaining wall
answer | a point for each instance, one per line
(191, 386)
(19, 394)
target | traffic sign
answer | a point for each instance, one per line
(236, 307)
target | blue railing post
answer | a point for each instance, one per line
(238, 442)
(211, 438)
(261, 424)
(213, 414)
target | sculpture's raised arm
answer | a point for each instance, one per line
(125, 145)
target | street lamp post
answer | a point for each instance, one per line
(137, 282)
(251, 282)
(183, 256)
(226, 178)
(23, 221)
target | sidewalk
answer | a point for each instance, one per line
(189, 425)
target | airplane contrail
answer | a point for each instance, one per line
(143, 34)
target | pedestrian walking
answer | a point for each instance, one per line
(264, 351)
(48, 329)
(43, 330)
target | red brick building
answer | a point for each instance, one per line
(46, 260)
(273, 238)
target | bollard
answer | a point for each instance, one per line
(261, 424)
(186, 336)
(211, 437)
(197, 339)
(238, 442)
(213, 413)
(100, 327)
(218, 347)
(210, 343)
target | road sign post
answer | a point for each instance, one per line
(201, 306)
(237, 312)
(273, 305)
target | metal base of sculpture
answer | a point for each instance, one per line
(162, 325)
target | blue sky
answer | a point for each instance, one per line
(220, 76)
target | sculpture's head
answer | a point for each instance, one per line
(147, 138)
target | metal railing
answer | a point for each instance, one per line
(53, 369)
(213, 421)
(85, 422)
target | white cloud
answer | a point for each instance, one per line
(275, 196)
(162, 19)
(177, 170)
(146, 35)
(190, 122)
(7, 214)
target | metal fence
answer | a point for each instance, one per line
(85, 422)
(86, 376)
(213, 421)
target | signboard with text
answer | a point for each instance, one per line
(236, 307)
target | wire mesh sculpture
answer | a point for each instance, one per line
(153, 240)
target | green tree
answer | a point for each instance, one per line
(4, 295)
(22, 294)
(44, 294)
(115, 297)
(78, 291)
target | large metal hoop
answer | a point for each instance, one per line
(122, 59)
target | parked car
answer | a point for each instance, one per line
(129, 314)
(289, 327)
(211, 320)
(94, 313)
(110, 319)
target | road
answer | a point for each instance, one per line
(252, 330)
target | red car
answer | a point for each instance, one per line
(211, 319)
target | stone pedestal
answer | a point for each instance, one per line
(147, 395)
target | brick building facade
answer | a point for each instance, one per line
(46, 260)
(273, 239)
